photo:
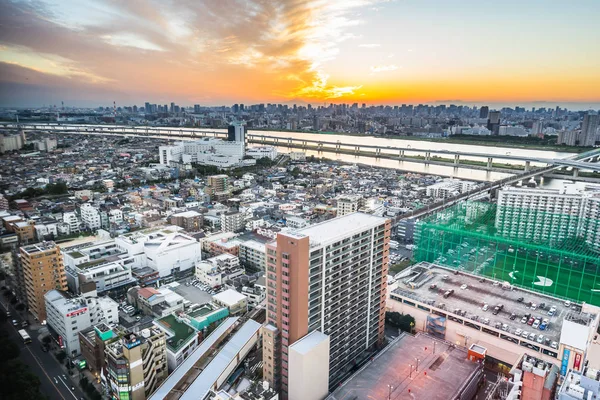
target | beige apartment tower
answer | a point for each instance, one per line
(331, 278)
(43, 270)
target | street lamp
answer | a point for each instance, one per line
(390, 387)
(411, 370)
(417, 367)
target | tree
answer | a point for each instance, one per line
(404, 322)
(61, 356)
(16, 380)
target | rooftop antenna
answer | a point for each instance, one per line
(62, 103)
(115, 109)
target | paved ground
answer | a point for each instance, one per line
(43, 364)
(193, 294)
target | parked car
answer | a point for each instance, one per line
(540, 339)
(525, 334)
(544, 324)
(524, 319)
(518, 332)
(532, 336)
(485, 307)
(552, 311)
(554, 345)
(531, 321)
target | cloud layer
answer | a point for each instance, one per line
(204, 51)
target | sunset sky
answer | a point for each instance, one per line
(220, 52)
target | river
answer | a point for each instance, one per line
(451, 171)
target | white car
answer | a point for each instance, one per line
(540, 339)
(552, 311)
(485, 307)
(525, 334)
(533, 306)
(567, 303)
(518, 332)
(554, 345)
(535, 324)
(463, 287)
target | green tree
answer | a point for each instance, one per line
(404, 322)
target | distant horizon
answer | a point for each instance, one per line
(571, 106)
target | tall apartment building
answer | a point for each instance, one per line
(548, 215)
(218, 183)
(589, 129)
(43, 270)
(136, 364)
(349, 204)
(331, 278)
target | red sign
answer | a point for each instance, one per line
(60, 342)
(77, 312)
(577, 362)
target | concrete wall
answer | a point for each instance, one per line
(309, 369)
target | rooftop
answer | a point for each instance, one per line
(181, 332)
(466, 305)
(448, 368)
(229, 297)
(329, 231)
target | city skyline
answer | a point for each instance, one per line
(366, 51)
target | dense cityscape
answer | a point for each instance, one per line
(247, 200)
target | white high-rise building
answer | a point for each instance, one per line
(549, 216)
(349, 204)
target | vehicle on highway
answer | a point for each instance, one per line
(25, 336)
(15, 322)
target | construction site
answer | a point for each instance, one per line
(553, 253)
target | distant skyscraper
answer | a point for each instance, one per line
(483, 112)
(589, 129)
(235, 109)
(172, 109)
(331, 278)
(147, 107)
(493, 123)
(196, 108)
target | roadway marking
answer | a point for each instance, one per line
(543, 281)
(68, 388)
(38, 362)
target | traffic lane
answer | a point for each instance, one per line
(42, 364)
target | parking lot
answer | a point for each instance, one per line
(194, 293)
(472, 300)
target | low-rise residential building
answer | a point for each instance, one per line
(252, 254)
(182, 339)
(217, 270)
(190, 221)
(235, 302)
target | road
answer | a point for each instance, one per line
(42, 364)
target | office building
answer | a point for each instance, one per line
(483, 112)
(493, 122)
(92, 342)
(589, 129)
(136, 364)
(236, 132)
(182, 339)
(568, 138)
(325, 278)
(67, 316)
(43, 270)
